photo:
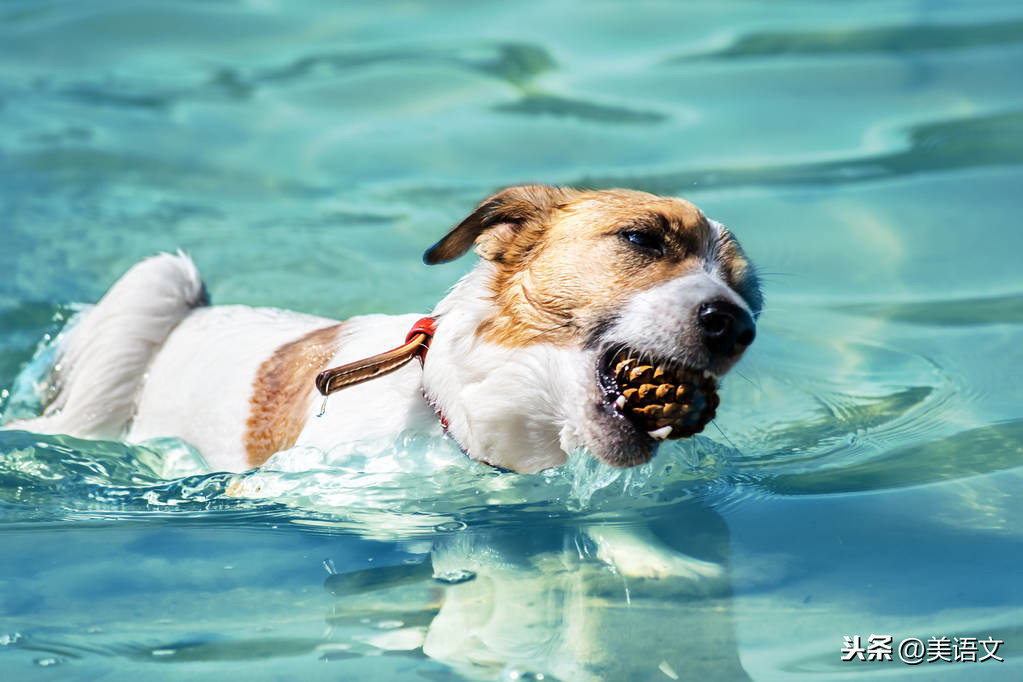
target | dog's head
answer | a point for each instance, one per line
(657, 300)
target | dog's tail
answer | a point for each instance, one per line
(102, 360)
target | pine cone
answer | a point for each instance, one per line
(667, 395)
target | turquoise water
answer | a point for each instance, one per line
(863, 477)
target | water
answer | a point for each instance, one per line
(863, 475)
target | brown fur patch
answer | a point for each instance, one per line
(566, 267)
(282, 393)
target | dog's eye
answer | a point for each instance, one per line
(644, 240)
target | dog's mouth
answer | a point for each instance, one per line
(660, 397)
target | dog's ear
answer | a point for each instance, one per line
(496, 221)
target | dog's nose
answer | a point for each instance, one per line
(726, 327)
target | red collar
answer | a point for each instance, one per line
(427, 327)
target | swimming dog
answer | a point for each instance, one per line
(583, 309)
(596, 320)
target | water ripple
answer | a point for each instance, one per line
(1004, 309)
(515, 64)
(541, 103)
(963, 143)
(869, 40)
(968, 453)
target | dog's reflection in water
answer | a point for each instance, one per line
(649, 600)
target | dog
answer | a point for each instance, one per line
(575, 295)
(593, 320)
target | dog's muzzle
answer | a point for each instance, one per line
(676, 397)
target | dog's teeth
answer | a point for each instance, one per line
(661, 433)
(620, 402)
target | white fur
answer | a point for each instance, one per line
(199, 385)
(518, 405)
(101, 363)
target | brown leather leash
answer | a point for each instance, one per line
(417, 343)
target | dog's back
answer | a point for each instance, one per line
(152, 360)
(236, 382)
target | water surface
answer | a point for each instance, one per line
(862, 475)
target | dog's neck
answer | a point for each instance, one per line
(519, 405)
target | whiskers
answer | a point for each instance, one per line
(752, 383)
(725, 436)
(767, 274)
(552, 329)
